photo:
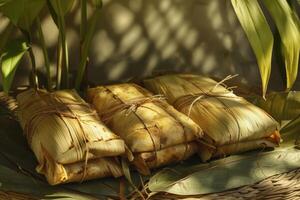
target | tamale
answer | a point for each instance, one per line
(67, 137)
(155, 132)
(229, 122)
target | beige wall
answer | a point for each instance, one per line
(137, 37)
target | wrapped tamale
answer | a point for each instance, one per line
(155, 132)
(229, 122)
(67, 137)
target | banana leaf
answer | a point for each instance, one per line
(282, 106)
(287, 24)
(22, 13)
(259, 35)
(291, 132)
(10, 59)
(224, 174)
(14, 181)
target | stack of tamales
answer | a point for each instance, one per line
(155, 132)
(229, 122)
(67, 137)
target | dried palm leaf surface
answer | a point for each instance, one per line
(156, 133)
(233, 124)
(67, 137)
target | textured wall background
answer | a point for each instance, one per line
(137, 37)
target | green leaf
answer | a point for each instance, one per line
(283, 106)
(291, 131)
(259, 35)
(98, 4)
(31, 11)
(287, 25)
(14, 181)
(10, 59)
(13, 10)
(224, 174)
(62, 7)
(22, 12)
(4, 36)
(3, 2)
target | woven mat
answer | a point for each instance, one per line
(283, 186)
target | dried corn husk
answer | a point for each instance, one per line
(155, 132)
(67, 137)
(233, 124)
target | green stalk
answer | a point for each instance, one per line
(35, 80)
(83, 24)
(64, 46)
(34, 76)
(83, 30)
(59, 63)
(86, 47)
(66, 71)
(45, 53)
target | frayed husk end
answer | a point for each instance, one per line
(57, 173)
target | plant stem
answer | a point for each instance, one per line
(33, 72)
(66, 60)
(34, 76)
(83, 24)
(59, 64)
(85, 48)
(83, 30)
(64, 46)
(45, 53)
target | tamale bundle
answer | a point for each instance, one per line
(229, 122)
(67, 137)
(155, 132)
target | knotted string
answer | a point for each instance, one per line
(130, 107)
(222, 83)
(192, 99)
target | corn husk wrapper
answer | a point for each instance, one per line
(155, 132)
(67, 137)
(231, 123)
